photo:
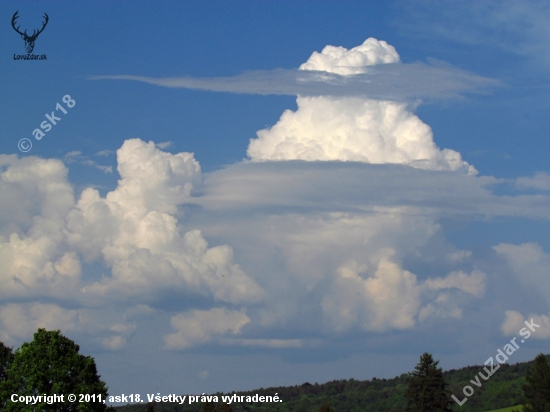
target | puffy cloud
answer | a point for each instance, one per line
(21, 321)
(389, 299)
(449, 302)
(473, 284)
(325, 240)
(354, 61)
(107, 327)
(35, 199)
(202, 326)
(136, 231)
(152, 179)
(354, 129)
(514, 322)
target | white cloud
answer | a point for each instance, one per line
(322, 235)
(339, 72)
(203, 326)
(322, 243)
(353, 129)
(164, 145)
(136, 231)
(541, 181)
(354, 61)
(514, 322)
(19, 322)
(530, 264)
(389, 299)
(35, 199)
(474, 284)
(449, 303)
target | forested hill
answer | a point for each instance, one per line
(499, 391)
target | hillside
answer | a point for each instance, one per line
(501, 390)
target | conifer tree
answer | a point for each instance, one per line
(427, 389)
(536, 390)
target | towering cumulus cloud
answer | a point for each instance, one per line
(354, 128)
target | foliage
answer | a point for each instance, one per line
(208, 407)
(6, 357)
(500, 391)
(50, 365)
(536, 389)
(510, 409)
(427, 389)
(325, 407)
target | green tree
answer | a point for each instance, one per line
(225, 408)
(150, 407)
(51, 365)
(325, 407)
(208, 407)
(536, 390)
(6, 357)
(427, 389)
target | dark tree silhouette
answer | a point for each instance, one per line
(326, 408)
(6, 357)
(208, 407)
(536, 389)
(225, 408)
(427, 389)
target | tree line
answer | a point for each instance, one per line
(51, 364)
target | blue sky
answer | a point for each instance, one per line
(398, 205)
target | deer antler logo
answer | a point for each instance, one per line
(29, 40)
